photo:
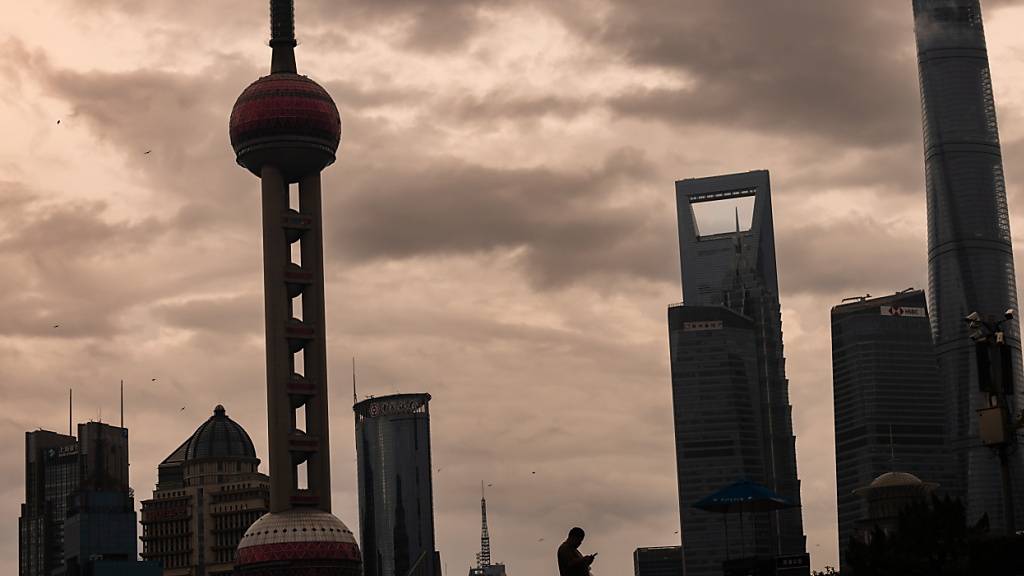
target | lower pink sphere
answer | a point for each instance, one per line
(298, 542)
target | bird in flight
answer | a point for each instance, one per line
(153, 380)
(58, 121)
(147, 152)
(182, 409)
(56, 325)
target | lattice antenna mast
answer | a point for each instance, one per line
(483, 559)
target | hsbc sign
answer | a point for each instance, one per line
(911, 311)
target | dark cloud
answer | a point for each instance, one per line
(850, 256)
(832, 71)
(440, 25)
(567, 222)
(61, 255)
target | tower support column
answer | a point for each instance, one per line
(315, 352)
(277, 313)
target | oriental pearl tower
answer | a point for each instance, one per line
(285, 129)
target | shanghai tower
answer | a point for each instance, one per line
(285, 129)
(970, 257)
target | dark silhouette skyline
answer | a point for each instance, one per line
(557, 127)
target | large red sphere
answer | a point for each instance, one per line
(298, 542)
(288, 121)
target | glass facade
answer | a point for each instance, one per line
(730, 393)
(74, 489)
(396, 507)
(970, 257)
(662, 561)
(889, 414)
(51, 476)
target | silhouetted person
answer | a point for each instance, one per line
(570, 561)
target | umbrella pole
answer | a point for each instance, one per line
(743, 535)
(726, 517)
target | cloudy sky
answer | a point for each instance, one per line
(500, 229)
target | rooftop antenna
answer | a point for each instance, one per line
(483, 559)
(71, 404)
(355, 398)
(856, 298)
(282, 36)
(122, 403)
(892, 452)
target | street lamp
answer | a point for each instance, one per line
(996, 428)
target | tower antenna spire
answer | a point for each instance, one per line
(483, 559)
(122, 403)
(71, 409)
(355, 397)
(282, 36)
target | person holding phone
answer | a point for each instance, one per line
(570, 561)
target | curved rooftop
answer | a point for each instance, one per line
(218, 437)
(895, 480)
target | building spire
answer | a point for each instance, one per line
(282, 36)
(483, 559)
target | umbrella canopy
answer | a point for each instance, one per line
(744, 496)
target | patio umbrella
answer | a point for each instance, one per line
(743, 496)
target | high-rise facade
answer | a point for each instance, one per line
(396, 502)
(285, 129)
(729, 388)
(659, 561)
(51, 477)
(888, 412)
(208, 492)
(970, 256)
(79, 509)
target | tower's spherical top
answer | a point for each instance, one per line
(286, 120)
(302, 538)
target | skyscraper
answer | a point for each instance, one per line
(396, 498)
(888, 412)
(51, 477)
(209, 491)
(970, 256)
(285, 129)
(79, 508)
(729, 388)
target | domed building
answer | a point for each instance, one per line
(208, 492)
(886, 497)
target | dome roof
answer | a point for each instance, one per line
(299, 534)
(219, 437)
(287, 120)
(891, 479)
